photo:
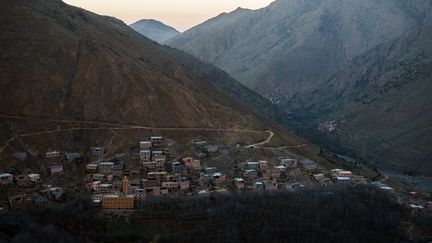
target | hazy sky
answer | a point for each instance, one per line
(181, 14)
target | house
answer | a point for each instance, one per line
(139, 195)
(21, 201)
(344, 173)
(154, 191)
(105, 187)
(177, 167)
(258, 185)
(56, 192)
(22, 180)
(308, 164)
(239, 183)
(210, 170)
(145, 154)
(72, 156)
(156, 176)
(56, 169)
(94, 185)
(321, 179)
(52, 154)
(218, 177)
(105, 167)
(97, 151)
(91, 167)
(211, 148)
(184, 183)
(157, 153)
(293, 186)
(342, 179)
(270, 184)
(5, 179)
(145, 145)
(97, 196)
(170, 184)
(34, 177)
(189, 162)
(118, 201)
(250, 174)
(97, 177)
(263, 165)
(289, 163)
(252, 165)
(156, 141)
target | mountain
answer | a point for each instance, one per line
(291, 45)
(154, 30)
(70, 71)
(380, 103)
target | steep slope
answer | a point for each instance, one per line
(62, 67)
(154, 30)
(291, 45)
(381, 103)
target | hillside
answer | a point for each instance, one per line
(66, 68)
(381, 104)
(291, 45)
(154, 30)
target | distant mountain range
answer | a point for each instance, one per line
(304, 56)
(154, 30)
(381, 104)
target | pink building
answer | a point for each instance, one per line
(56, 169)
(239, 183)
(344, 173)
(192, 163)
(184, 184)
(91, 167)
(170, 184)
(263, 165)
(145, 154)
(95, 185)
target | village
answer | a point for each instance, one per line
(126, 181)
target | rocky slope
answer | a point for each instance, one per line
(154, 30)
(65, 63)
(291, 45)
(381, 103)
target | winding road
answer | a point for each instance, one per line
(130, 126)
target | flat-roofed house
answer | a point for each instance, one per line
(56, 169)
(52, 154)
(97, 151)
(34, 177)
(239, 183)
(6, 179)
(145, 145)
(145, 154)
(156, 141)
(250, 174)
(308, 164)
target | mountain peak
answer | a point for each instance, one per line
(154, 29)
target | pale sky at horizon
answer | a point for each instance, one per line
(180, 14)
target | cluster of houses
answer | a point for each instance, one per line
(126, 183)
(34, 193)
(155, 177)
(260, 175)
(338, 176)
